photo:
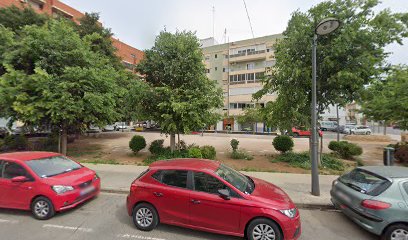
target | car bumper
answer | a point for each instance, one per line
(72, 199)
(368, 222)
(292, 229)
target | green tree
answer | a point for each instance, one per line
(388, 99)
(348, 59)
(251, 116)
(180, 96)
(53, 78)
(15, 18)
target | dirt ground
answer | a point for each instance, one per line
(113, 147)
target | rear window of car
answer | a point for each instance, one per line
(365, 182)
(175, 178)
(405, 185)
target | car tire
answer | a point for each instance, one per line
(393, 230)
(145, 217)
(368, 133)
(263, 226)
(42, 208)
(295, 135)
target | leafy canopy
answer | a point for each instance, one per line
(180, 97)
(348, 59)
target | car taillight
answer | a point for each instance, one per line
(375, 205)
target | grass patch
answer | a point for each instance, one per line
(101, 161)
(80, 150)
(302, 160)
(241, 154)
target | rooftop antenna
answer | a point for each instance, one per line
(225, 35)
(213, 16)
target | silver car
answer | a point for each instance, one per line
(376, 198)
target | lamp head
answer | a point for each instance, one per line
(327, 26)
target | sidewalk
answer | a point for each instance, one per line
(117, 178)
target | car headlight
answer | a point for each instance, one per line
(60, 189)
(290, 213)
(96, 177)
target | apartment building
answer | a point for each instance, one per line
(238, 68)
(129, 55)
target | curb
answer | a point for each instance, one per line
(304, 206)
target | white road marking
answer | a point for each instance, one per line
(8, 221)
(129, 236)
(68, 228)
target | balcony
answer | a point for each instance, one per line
(248, 56)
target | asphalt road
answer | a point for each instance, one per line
(105, 217)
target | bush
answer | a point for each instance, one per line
(137, 143)
(156, 147)
(1, 145)
(401, 153)
(15, 142)
(241, 155)
(195, 152)
(302, 160)
(345, 149)
(283, 143)
(166, 154)
(208, 152)
(182, 145)
(234, 144)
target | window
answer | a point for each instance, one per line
(207, 70)
(12, 170)
(176, 178)
(226, 56)
(251, 76)
(365, 182)
(405, 185)
(223, 69)
(267, 50)
(216, 68)
(250, 66)
(215, 56)
(209, 184)
(207, 58)
(48, 167)
(259, 75)
(1, 168)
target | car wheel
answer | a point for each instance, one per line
(264, 229)
(42, 208)
(145, 217)
(368, 133)
(397, 231)
(296, 135)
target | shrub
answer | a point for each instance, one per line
(401, 153)
(345, 149)
(156, 147)
(234, 144)
(15, 142)
(302, 160)
(137, 143)
(195, 152)
(182, 145)
(241, 155)
(283, 143)
(166, 154)
(208, 152)
(1, 145)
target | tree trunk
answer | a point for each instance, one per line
(178, 141)
(64, 137)
(385, 128)
(172, 142)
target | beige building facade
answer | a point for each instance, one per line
(238, 68)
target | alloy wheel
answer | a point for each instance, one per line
(263, 232)
(144, 217)
(399, 234)
(41, 208)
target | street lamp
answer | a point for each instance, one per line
(325, 27)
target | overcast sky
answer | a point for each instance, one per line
(137, 22)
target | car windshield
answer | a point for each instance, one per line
(238, 180)
(48, 167)
(365, 182)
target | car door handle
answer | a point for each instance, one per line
(195, 201)
(158, 194)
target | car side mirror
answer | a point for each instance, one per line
(224, 193)
(20, 179)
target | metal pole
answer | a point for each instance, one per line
(338, 123)
(314, 156)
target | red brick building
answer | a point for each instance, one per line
(55, 8)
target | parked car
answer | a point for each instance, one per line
(361, 130)
(340, 129)
(121, 126)
(375, 198)
(109, 128)
(93, 129)
(300, 132)
(4, 132)
(44, 183)
(207, 195)
(328, 125)
(348, 127)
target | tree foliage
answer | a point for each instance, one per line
(15, 18)
(180, 97)
(348, 58)
(388, 99)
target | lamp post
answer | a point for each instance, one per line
(325, 27)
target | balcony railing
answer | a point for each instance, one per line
(247, 53)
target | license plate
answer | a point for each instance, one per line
(344, 197)
(87, 190)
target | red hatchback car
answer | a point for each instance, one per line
(44, 183)
(207, 195)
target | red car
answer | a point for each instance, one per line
(297, 132)
(44, 183)
(209, 196)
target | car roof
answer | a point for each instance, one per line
(27, 156)
(187, 164)
(388, 171)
